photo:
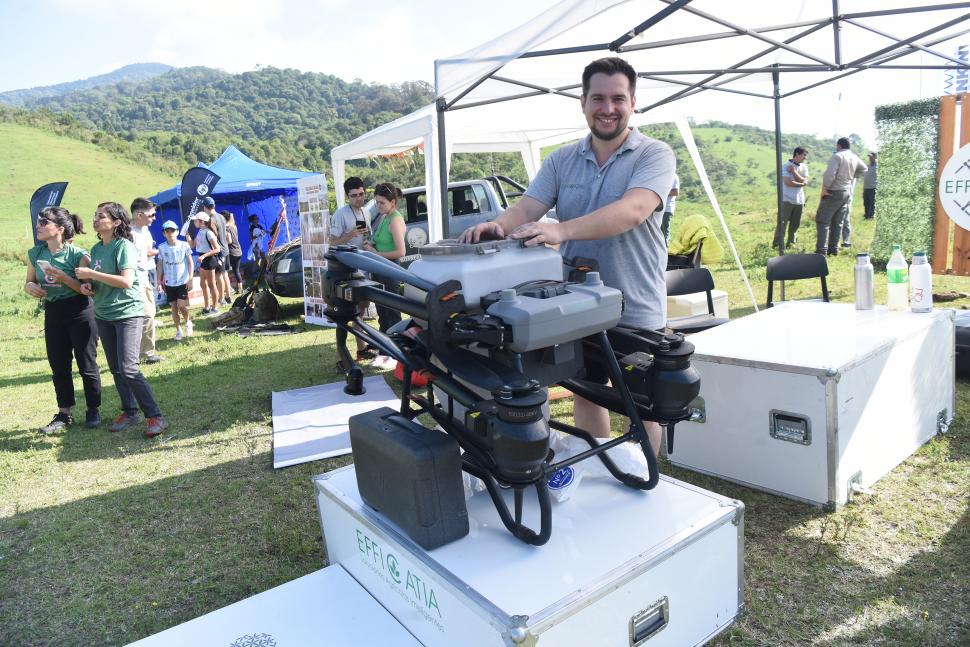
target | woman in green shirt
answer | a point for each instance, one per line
(120, 313)
(387, 241)
(69, 325)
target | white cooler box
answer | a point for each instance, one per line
(623, 568)
(811, 400)
(692, 305)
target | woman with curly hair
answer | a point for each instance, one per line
(120, 314)
(69, 325)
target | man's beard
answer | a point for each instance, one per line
(608, 135)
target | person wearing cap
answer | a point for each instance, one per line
(174, 273)
(142, 216)
(207, 247)
(217, 223)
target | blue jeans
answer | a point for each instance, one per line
(121, 340)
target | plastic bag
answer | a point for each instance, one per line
(563, 484)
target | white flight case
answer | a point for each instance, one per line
(623, 568)
(808, 399)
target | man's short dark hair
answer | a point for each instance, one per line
(610, 66)
(843, 143)
(141, 205)
(798, 151)
(353, 182)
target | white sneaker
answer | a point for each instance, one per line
(178, 334)
(188, 328)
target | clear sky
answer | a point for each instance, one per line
(52, 41)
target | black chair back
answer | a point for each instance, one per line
(690, 281)
(792, 267)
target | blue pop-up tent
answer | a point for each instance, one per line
(246, 187)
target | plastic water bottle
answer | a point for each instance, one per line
(897, 274)
(863, 282)
(921, 284)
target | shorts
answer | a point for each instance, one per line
(623, 345)
(177, 293)
(211, 263)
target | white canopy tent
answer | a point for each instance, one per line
(529, 77)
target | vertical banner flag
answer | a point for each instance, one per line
(49, 195)
(197, 183)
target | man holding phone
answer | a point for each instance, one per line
(348, 224)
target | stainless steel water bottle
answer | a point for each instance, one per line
(863, 282)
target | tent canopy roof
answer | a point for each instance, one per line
(677, 44)
(239, 174)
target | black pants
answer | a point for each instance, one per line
(69, 328)
(387, 317)
(234, 268)
(869, 203)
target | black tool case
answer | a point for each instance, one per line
(411, 475)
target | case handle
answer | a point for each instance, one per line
(649, 622)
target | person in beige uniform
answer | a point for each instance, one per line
(844, 166)
(142, 216)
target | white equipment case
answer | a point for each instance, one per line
(622, 568)
(813, 400)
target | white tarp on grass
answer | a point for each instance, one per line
(312, 423)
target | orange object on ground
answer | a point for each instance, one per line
(416, 378)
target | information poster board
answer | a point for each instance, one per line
(315, 228)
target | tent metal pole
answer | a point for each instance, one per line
(706, 86)
(915, 46)
(888, 58)
(900, 43)
(776, 44)
(733, 68)
(837, 32)
(542, 89)
(902, 10)
(775, 78)
(647, 24)
(686, 40)
(441, 106)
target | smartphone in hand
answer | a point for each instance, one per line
(46, 267)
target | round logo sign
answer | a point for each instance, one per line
(561, 478)
(955, 187)
(416, 237)
(203, 189)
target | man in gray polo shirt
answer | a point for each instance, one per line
(608, 190)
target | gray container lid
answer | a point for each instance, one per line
(451, 246)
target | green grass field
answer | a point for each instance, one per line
(107, 538)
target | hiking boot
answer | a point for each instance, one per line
(60, 422)
(227, 301)
(92, 418)
(124, 420)
(188, 328)
(156, 426)
(152, 359)
(178, 334)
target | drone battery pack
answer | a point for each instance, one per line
(411, 475)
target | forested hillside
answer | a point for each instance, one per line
(27, 98)
(284, 117)
(293, 119)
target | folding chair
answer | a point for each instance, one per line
(792, 267)
(691, 281)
